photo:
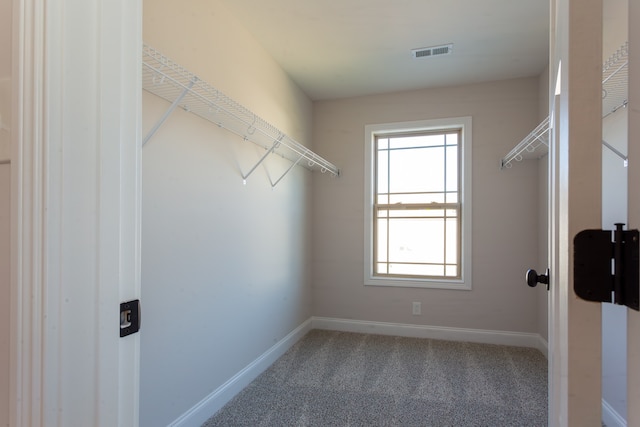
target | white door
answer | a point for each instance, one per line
(575, 203)
(75, 211)
(575, 177)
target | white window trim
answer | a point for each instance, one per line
(464, 283)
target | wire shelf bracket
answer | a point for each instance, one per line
(167, 113)
(170, 81)
(617, 152)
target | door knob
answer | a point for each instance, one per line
(533, 278)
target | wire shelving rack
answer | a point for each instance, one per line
(615, 89)
(164, 78)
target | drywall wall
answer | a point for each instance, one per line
(504, 210)
(224, 265)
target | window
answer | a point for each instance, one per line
(418, 210)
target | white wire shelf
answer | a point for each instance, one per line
(615, 81)
(533, 146)
(615, 88)
(170, 81)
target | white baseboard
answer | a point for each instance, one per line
(610, 417)
(208, 406)
(517, 339)
(543, 346)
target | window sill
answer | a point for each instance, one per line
(455, 285)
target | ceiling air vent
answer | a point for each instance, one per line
(428, 52)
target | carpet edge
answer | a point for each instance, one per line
(483, 336)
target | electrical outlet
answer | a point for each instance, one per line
(417, 308)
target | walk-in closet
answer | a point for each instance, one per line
(230, 168)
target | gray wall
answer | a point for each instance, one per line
(504, 210)
(224, 265)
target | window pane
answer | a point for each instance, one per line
(416, 269)
(452, 169)
(417, 170)
(451, 271)
(452, 241)
(383, 172)
(452, 138)
(417, 141)
(412, 213)
(382, 199)
(382, 268)
(422, 198)
(416, 240)
(382, 240)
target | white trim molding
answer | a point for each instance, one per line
(75, 211)
(211, 404)
(464, 123)
(27, 216)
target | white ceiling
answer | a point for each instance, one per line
(344, 48)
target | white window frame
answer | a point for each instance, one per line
(371, 131)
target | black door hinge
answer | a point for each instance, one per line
(606, 270)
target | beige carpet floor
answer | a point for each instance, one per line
(345, 379)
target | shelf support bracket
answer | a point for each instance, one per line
(275, 145)
(616, 152)
(167, 113)
(294, 164)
